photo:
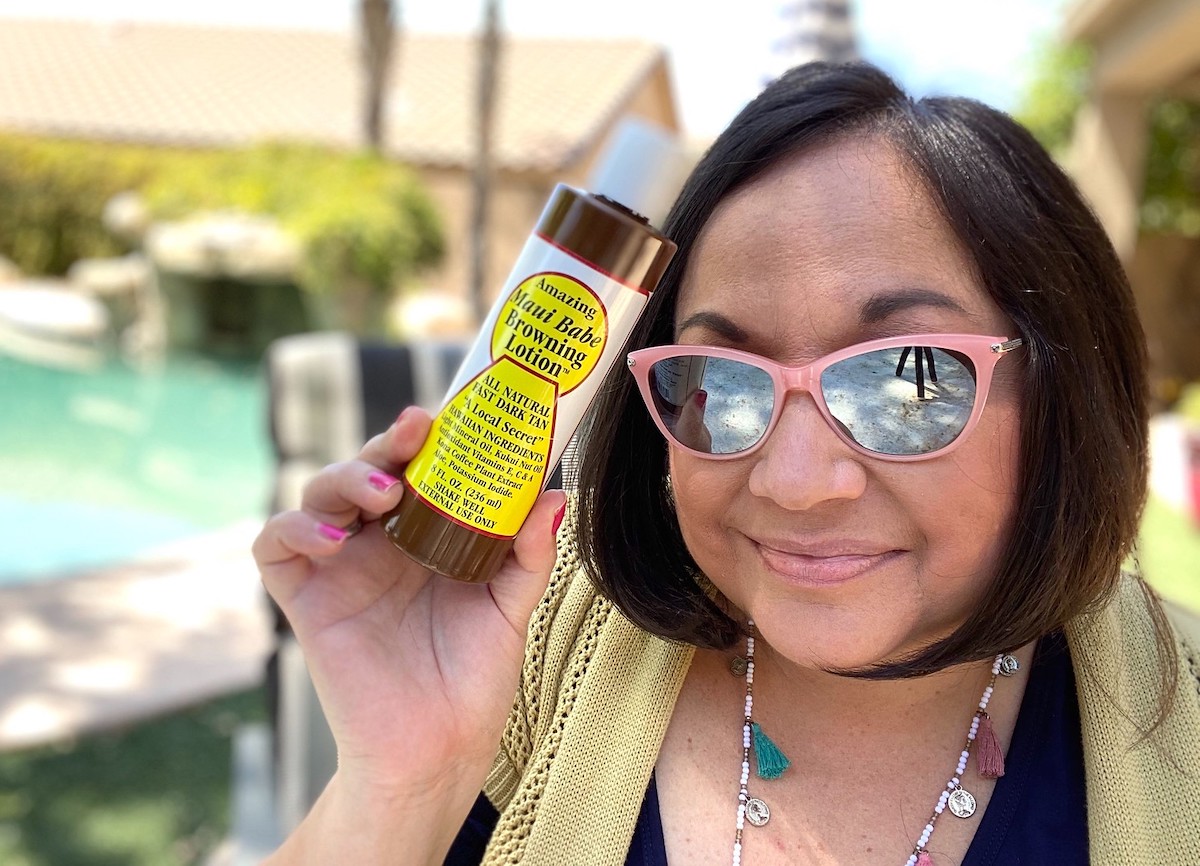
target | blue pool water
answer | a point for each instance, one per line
(98, 466)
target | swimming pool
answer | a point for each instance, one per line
(98, 466)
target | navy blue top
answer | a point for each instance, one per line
(1037, 813)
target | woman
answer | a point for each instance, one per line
(892, 496)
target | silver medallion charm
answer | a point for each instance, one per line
(758, 813)
(1009, 665)
(737, 666)
(961, 803)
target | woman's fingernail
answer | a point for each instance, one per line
(382, 482)
(400, 418)
(701, 399)
(333, 533)
(558, 518)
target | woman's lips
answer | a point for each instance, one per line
(822, 569)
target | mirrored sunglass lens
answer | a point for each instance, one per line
(712, 405)
(904, 401)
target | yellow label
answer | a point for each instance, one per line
(485, 460)
(555, 325)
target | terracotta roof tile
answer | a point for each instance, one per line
(209, 86)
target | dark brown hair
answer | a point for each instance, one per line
(1045, 261)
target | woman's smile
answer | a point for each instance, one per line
(823, 564)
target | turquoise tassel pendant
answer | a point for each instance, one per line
(771, 761)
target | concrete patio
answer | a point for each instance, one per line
(181, 624)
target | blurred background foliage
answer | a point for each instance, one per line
(1056, 93)
(1188, 405)
(1171, 191)
(358, 218)
(54, 194)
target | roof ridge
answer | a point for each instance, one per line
(211, 86)
(406, 32)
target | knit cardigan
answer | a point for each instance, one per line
(597, 694)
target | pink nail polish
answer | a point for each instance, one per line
(382, 482)
(701, 399)
(407, 410)
(558, 518)
(333, 533)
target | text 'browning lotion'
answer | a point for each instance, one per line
(559, 323)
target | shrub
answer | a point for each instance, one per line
(359, 219)
(54, 193)
(1171, 200)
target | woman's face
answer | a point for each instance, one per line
(843, 560)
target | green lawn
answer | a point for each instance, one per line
(154, 795)
(1170, 553)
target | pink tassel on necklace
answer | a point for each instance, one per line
(989, 755)
(923, 859)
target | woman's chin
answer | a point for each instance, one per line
(822, 639)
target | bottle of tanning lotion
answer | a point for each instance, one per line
(558, 325)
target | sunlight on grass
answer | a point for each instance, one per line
(156, 794)
(1170, 553)
(140, 832)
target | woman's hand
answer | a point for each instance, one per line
(416, 673)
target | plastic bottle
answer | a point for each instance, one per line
(558, 325)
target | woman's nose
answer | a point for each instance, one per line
(804, 462)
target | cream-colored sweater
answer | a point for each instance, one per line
(597, 694)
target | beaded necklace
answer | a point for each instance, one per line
(771, 762)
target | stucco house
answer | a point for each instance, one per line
(1143, 50)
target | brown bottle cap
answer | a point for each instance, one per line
(606, 235)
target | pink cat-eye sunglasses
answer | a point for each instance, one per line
(899, 398)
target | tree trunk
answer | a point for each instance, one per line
(376, 33)
(489, 54)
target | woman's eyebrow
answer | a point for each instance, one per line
(882, 306)
(875, 310)
(716, 323)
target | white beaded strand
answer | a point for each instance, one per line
(954, 785)
(743, 790)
